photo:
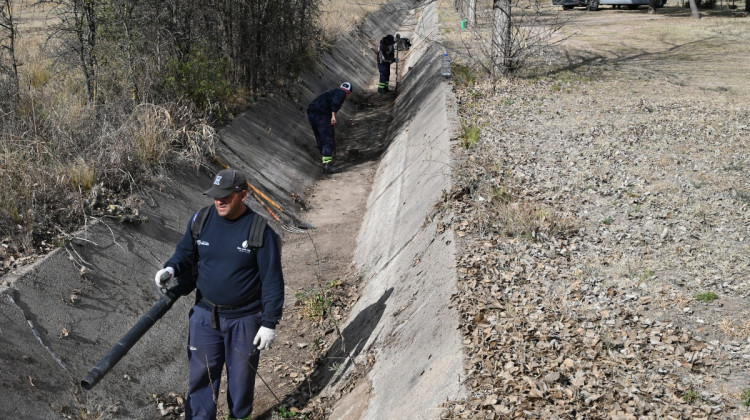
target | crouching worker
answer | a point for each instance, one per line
(239, 296)
(321, 114)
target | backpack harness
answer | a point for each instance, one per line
(254, 241)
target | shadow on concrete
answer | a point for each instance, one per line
(330, 368)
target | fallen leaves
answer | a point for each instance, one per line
(573, 306)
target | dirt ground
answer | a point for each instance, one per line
(318, 263)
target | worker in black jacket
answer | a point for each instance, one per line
(321, 113)
(239, 299)
(386, 52)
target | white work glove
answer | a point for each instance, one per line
(265, 337)
(163, 276)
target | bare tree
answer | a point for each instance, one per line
(8, 61)
(501, 38)
(694, 9)
(77, 33)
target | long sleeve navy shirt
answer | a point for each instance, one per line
(328, 101)
(230, 273)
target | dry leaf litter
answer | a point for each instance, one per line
(590, 217)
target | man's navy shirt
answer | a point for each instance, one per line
(231, 273)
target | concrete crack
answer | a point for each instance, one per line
(39, 337)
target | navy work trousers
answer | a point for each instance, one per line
(323, 130)
(385, 74)
(208, 350)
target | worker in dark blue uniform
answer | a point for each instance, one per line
(239, 299)
(321, 113)
(386, 52)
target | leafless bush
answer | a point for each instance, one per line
(534, 35)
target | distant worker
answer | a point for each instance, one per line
(239, 297)
(322, 116)
(386, 51)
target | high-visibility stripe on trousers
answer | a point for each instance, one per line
(385, 75)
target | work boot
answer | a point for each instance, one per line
(328, 169)
(382, 90)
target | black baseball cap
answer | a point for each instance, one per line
(226, 182)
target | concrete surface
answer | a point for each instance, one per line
(61, 315)
(403, 253)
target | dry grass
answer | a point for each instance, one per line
(341, 16)
(76, 145)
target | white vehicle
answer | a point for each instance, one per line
(594, 4)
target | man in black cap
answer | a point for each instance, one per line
(386, 51)
(321, 114)
(239, 297)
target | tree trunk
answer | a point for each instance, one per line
(501, 38)
(7, 23)
(85, 26)
(473, 12)
(652, 5)
(694, 9)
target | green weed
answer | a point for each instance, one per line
(471, 136)
(647, 274)
(706, 297)
(286, 413)
(200, 77)
(691, 396)
(336, 367)
(315, 302)
(745, 397)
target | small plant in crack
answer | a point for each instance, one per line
(336, 367)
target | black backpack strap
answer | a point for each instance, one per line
(257, 228)
(254, 238)
(196, 224)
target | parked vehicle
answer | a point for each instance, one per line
(594, 4)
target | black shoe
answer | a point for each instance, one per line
(328, 168)
(382, 90)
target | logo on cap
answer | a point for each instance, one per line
(217, 181)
